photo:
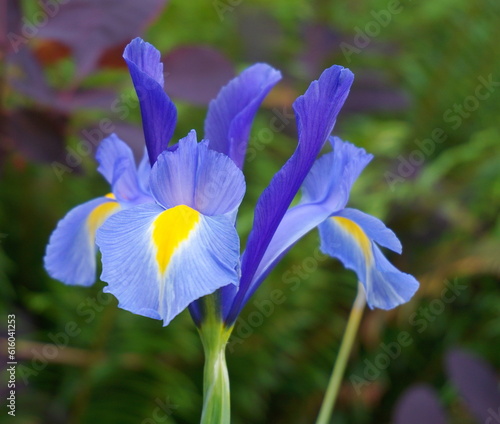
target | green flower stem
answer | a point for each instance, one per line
(358, 307)
(214, 336)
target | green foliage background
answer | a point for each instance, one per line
(120, 368)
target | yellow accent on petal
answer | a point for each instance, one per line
(110, 196)
(356, 232)
(102, 212)
(170, 229)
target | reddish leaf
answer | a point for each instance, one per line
(113, 58)
(196, 73)
(49, 51)
(90, 27)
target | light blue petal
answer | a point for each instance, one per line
(374, 228)
(332, 176)
(202, 263)
(117, 165)
(202, 179)
(385, 286)
(159, 115)
(390, 287)
(230, 115)
(71, 253)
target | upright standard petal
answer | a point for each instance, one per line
(71, 252)
(348, 237)
(198, 177)
(230, 115)
(316, 113)
(333, 175)
(158, 261)
(159, 115)
(117, 165)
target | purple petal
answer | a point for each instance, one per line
(230, 115)
(159, 114)
(316, 113)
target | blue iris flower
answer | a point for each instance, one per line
(167, 233)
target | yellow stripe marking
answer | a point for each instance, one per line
(357, 233)
(102, 212)
(170, 229)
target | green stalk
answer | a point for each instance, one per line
(358, 307)
(214, 336)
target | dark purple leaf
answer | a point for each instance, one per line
(131, 134)
(37, 135)
(261, 34)
(419, 405)
(84, 99)
(372, 92)
(29, 78)
(476, 382)
(321, 42)
(10, 20)
(90, 27)
(196, 73)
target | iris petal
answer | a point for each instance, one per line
(333, 175)
(200, 178)
(230, 115)
(386, 287)
(117, 165)
(71, 252)
(158, 261)
(159, 115)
